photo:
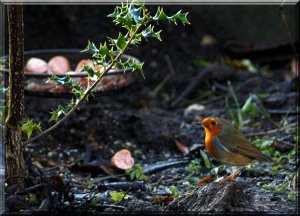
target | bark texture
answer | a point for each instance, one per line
(15, 165)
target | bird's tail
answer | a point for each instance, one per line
(269, 159)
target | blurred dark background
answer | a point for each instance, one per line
(71, 26)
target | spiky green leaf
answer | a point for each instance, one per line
(135, 13)
(139, 68)
(160, 15)
(103, 50)
(121, 42)
(29, 126)
(90, 47)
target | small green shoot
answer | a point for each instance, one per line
(239, 121)
(91, 203)
(33, 200)
(240, 64)
(281, 189)
(249, 167)
(203, 63)
(216, 170)
(173, 190)
(291, 195)
(118, 196)
(2, 64)
(206, 160)
(194, 167)
(268, 187)
(136, 173)
(250, 107)
(249, 65)
(285, 124)
(278, 189)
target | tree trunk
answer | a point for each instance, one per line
(15, 165)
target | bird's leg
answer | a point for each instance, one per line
(234, 174)
(231, 177)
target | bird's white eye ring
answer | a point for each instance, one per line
(213, 123)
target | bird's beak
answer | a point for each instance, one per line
(204, 124)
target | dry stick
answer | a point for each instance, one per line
(170, 66)
(45, 132)
(55, 167)
(200, 78)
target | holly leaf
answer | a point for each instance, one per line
(29, 126)
(179, 16)
(60, 111)
(160, 15)
(121, 42)
(135, 13)
(139, 68)
(62, 80)
(103, 50)
(90, 47)
(149, 32)
(125, 20)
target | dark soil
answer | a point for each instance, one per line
(72, 164)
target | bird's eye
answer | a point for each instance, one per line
(213, 123)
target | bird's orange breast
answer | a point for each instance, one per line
(209, 144)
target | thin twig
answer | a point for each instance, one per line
(287, 27)
(35, 187)
(199, 80)
(170, 66)
(57, 166)
(286, 143)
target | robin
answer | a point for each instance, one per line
(229, 146)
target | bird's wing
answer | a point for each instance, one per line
(238, 143)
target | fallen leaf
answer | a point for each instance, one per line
(208, 40)
(168, 199)
(184, 149)
(161, 198)
(294, 69)
(122, 160)
(205, 180)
